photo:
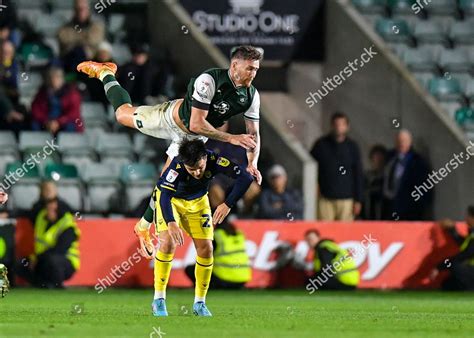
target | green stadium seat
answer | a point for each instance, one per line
(393, 30)
(467, 6)
(136, 172)
(401, 6)
(139, 180)
(445, 89)
(428, 31)
(370, 6)
(450, 107)
(57, 171)
(465, 118)
(35, 54)
(27, 171)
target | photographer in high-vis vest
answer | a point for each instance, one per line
(56, 250)
(334, 267)
(460, 266)
(231, 262)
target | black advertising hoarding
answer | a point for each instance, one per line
(275, 25)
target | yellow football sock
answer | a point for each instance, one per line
(202, 272)
(162, 269)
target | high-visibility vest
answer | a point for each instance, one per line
(464, 246)
(346, 270)
(231, 262)
(46, 239)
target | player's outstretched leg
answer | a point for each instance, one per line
(117, 96)
(163, 261)
(202, 272)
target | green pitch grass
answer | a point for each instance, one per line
(127, 313)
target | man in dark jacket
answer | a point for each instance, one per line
(460, 266)
(405, 169)
(340, 173)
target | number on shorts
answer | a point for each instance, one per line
(206, 221)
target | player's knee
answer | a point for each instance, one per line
(205, 250)
(121, 115)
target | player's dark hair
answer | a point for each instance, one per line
(246, 53)
(191, 151)
(312, 231)
(470, 210)
(339, 115)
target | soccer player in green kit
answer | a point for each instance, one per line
(211, 99)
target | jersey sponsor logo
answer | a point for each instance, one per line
(223, 162)
(139, 124)
(221, 107)
(172, 174)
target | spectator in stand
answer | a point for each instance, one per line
(8, 23)
(221, 183)
(374, 183)
(57, 106)
(405, 169)
(137, 76)
(460, 266)
(79, 39)
(340, 173)
(279, 202)
(95, 89)
(3, 200)
(10, 118)
(9, 70)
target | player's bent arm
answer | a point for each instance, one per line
(167, 211)
(241, 184)
(199, 125)
(253, 128)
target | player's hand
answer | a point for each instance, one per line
(220, 214)
(252, 170)
(3, 197)
(246, 141)
(175, 233)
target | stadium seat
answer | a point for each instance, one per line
(462, 32)
(420, 60)
(400, 6)
(469, 89)
(428, 31)
(445, 89)
(74, 144)
(424, 77)
(68, 182)
(103, 188)
(42, 157)
(34, 54)
(29, 83)
(393, 30)
(398, 48)
(8, 150)
(25, 190)
(117, 144)
(454, 61)
(370, 6)
(49, 24)
(467, 6)
(33, 139)
(465, 118)
(442, 7)
(139, 180)
(121, 53)
(94, 115)
(149, 149)
(451, 107)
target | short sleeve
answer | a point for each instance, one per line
(253, 113)
(204, 89)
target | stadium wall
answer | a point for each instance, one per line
(393, 255)
(383, 91)
(172, 28)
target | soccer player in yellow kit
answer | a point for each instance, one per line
(181, 203)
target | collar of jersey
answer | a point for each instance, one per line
(233, 83)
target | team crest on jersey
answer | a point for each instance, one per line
(242, 99)
(223, 162)
(207, 174)
(222, 107)
(171, 177)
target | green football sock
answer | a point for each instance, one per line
(116, 95)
